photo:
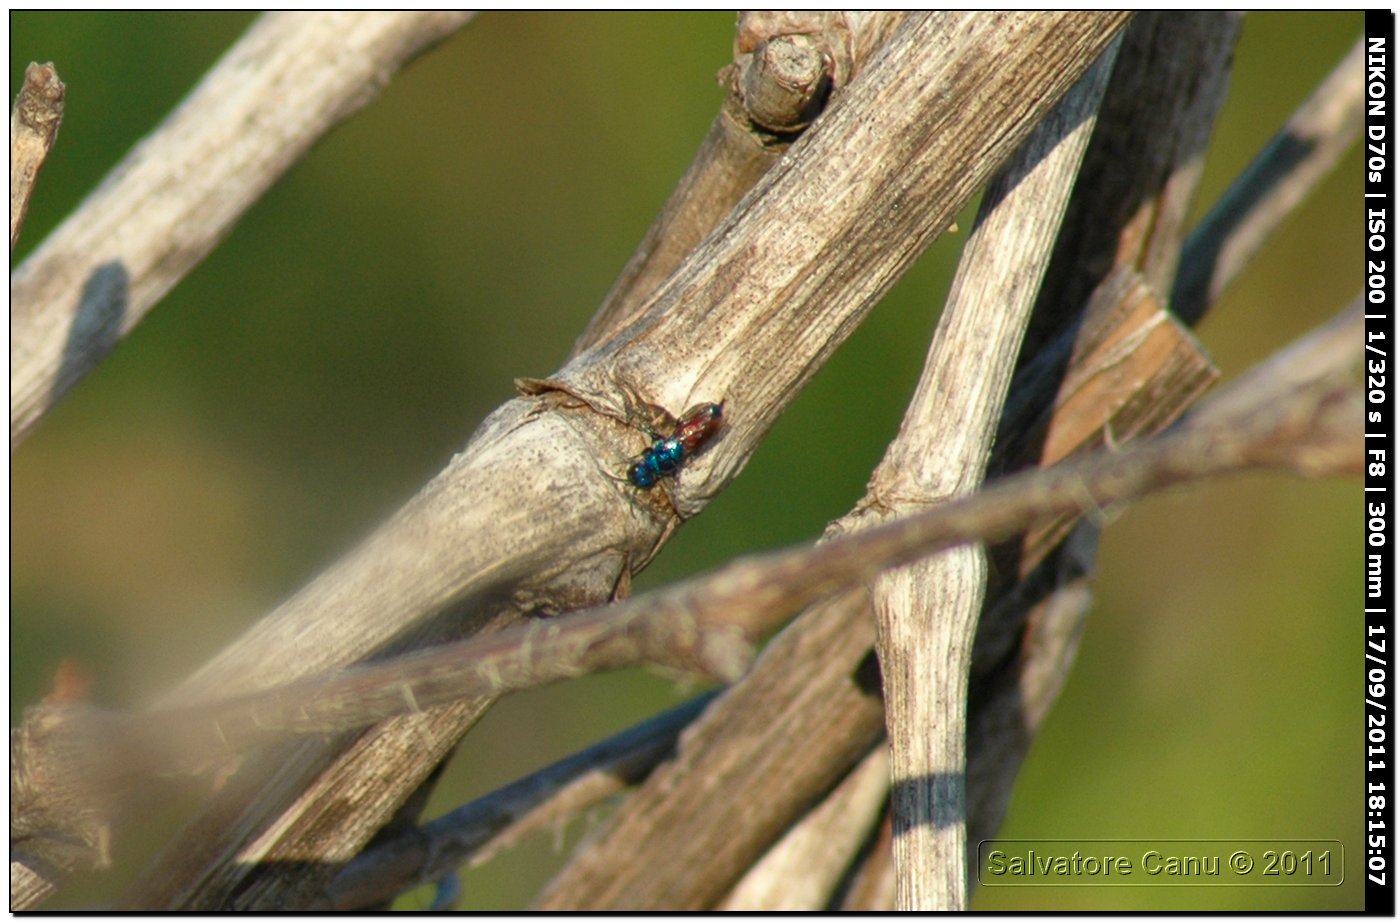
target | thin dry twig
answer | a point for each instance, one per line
(744, 600)
(33, 129)
(1275, 183)
(802, 871)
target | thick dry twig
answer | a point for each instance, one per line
(781, 287)
(33, 129)
(739, 149)
(287, 82)
(941, 451)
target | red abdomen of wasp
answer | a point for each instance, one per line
(697, 424)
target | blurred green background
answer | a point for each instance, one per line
(362, 318)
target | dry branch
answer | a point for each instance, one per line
(288, 81)
(792, 268)
(941, 451)
(1239, 427)
(1275, 182)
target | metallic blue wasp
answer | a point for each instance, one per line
(666, 456)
